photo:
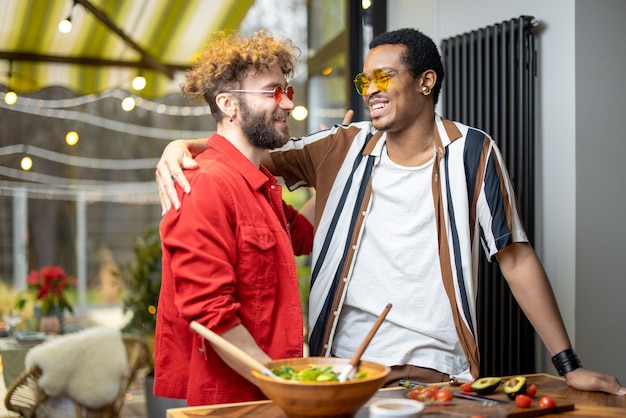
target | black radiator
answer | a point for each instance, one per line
(490, 85)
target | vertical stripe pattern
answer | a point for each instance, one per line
(473, 199)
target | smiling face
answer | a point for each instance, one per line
(400, 103)
(261, 118)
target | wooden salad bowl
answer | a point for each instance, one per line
(321, 399)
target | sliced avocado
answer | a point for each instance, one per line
(486, 385)
(515, 386)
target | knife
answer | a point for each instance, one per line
(476, 397)
(409, 384)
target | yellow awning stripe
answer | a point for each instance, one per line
(231, 15)
(172, 31)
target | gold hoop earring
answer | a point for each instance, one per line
(426, 90)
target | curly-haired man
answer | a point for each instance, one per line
(228, 261)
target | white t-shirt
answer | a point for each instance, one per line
(398, 262)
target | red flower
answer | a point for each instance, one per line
(48, 284)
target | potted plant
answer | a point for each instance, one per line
(47, 288)
(142, 284)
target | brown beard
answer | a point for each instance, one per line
(259, 132)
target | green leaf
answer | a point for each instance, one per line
(142, 280)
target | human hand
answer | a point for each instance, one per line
(347, 119)
(176, 157)
(589, 380)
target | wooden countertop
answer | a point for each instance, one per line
(585, 404)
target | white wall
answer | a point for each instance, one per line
(601, 184)
(418, 14)
(556, 155)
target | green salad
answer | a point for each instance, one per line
(311, 374)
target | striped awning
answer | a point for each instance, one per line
(111, 42)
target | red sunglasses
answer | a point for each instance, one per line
(277, 92)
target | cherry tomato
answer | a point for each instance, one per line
(531, 391)
(423, 393)
(523, 401)
(444, 395)
(547, 402)
(430, 393)
(466, 387)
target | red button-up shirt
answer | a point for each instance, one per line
(227, 260)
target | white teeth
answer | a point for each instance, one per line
(376, 106)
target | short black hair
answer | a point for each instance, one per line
(421, 53)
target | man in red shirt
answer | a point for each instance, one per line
(228, 260)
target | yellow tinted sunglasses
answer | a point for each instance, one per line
(380, 77)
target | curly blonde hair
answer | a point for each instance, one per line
(227, 60)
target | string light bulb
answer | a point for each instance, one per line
(139, 82)
(26, 163)
(71, 138)
(65, 26)
(299, 113)
(10, 97)
(128, 103)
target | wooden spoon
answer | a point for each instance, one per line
(354, 361)
(232, 349)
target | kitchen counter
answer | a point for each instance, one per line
(574, 403)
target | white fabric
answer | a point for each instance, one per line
(87, 366)
(333, 257)
(419, 328)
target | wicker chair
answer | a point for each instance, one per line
(24, 395)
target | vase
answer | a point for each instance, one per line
(52, 322)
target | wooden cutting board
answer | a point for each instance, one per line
(463, 407)
(506, 408)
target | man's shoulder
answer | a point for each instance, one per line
(458, 130)
(213, 167)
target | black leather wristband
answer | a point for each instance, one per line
(566, 361)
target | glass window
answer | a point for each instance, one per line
(327, 94)
(327, 19)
